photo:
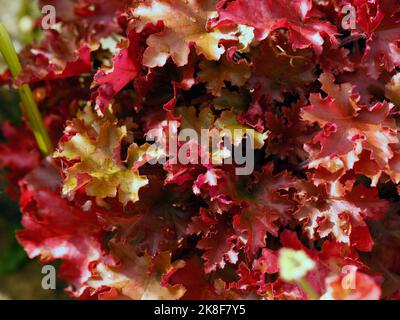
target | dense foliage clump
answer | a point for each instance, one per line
(320, 101)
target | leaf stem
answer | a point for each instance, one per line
(308, 289)
(30, 107)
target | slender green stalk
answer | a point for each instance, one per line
(308, 289)
(29, 105)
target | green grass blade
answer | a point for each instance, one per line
(30, 107)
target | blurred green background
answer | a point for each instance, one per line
(20, 278)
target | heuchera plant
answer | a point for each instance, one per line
(317, 219)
